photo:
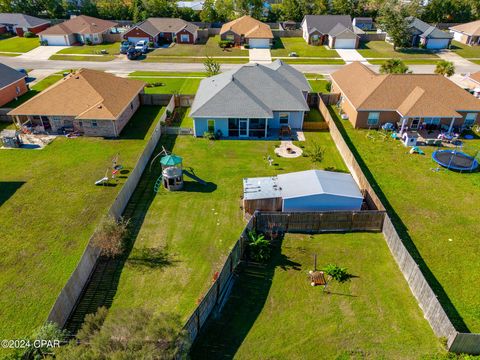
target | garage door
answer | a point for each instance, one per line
(345, 43)
(437, 43)
(56, 40)
(134, 40)
(259, 43)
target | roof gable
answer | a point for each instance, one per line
(81, 24)
(326, 23)
(9, 76)
(471, 28)
(21, 20)
(155, 26)
(425, 30)
(249, 27)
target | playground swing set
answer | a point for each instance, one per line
(111, 173)
(172, 172)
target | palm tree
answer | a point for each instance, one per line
(394, 66)
(445, 68)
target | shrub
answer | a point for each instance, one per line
(225, 44)
(246, 46)
(110, 237)
(88, 42)
(212, 67)
(328, 87)
(315, 152)
(155, 84)
(49, 332)
(28, 34)
(337, 273)
(150, 44)
(258, 247)
(44, 43)
(209, 135)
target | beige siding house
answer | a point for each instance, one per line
(90, 102)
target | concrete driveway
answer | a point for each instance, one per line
(42, 52)
(350, 55)
(261, 56)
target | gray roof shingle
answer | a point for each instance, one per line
(326, 23)
(9, 75)
(21, 20)
(427, 30)
(154, 26)
(253, 90)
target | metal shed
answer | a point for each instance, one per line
(303, 191)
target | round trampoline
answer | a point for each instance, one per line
(455, 160)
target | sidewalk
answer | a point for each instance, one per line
(350, 55)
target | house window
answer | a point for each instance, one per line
(283, 118)
(184, 38)
(373, 118)
(211, 125)
(470, 119)
(131, 106)
(94, 124)
(17, 89)
(431, 121)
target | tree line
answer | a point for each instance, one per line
(450, 11)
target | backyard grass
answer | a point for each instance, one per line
(319, 85)
(112, 49)
(102, 58)
(34, 90)
(284, 46)
(274, 313)
(465, 51)
(49, 207)
(436, 215)
(181, 238)
(210, 48)
(382, 49)
(18, 44)
(314, 116)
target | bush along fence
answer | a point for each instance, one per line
(427, 299)
(71, 292)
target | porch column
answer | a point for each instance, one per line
(404, 122)
(266, 125)
(451, 125)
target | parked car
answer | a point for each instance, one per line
(133, 53)
(293, 54)
(142, 45)
(124, 46)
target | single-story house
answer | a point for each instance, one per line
(163, 30)
(91, 102)
(194, 5)
(12, 84)
(428, 36)
(431, 101)
(364, 23)
(79, 29)
(247, 30)
(471, 82)
(252, 101)
(19, 24)
(468, 33)
(303, 191)
(336, 31)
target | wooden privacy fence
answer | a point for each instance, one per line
(155, 99)
(315, 126)
(71, 292)
(219, 291)
(427, 299)
(318, 222)
(177, 131)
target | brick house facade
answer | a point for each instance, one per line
(12, 91)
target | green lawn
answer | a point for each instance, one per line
(112, 49)
(34, 90)
(210, 48)
(167, 73)
(465, 51)
(436, 214)
(49, 207)
(407, 61)
(284, 46)
(18, 44)
(102, 58)
(184, 119)
(9, 54)
(312, 61)
(191, 231)
(319, 85)
(274, 312)
(196, 60)
(185, 86)
(382, 49)
(314, 116)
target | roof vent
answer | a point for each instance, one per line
(99, 106)
(77, 77)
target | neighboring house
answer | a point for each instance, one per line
(414, 100)
(472, 82)
(194, 5)
(428, 36)
(336, 31)
(163, 30)
(92, 102)
(303, 191)
(251, 101)
(364, 23)
(19, 24)
(12, 84)
(79, 29)
(468, 33)
(247, 30)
